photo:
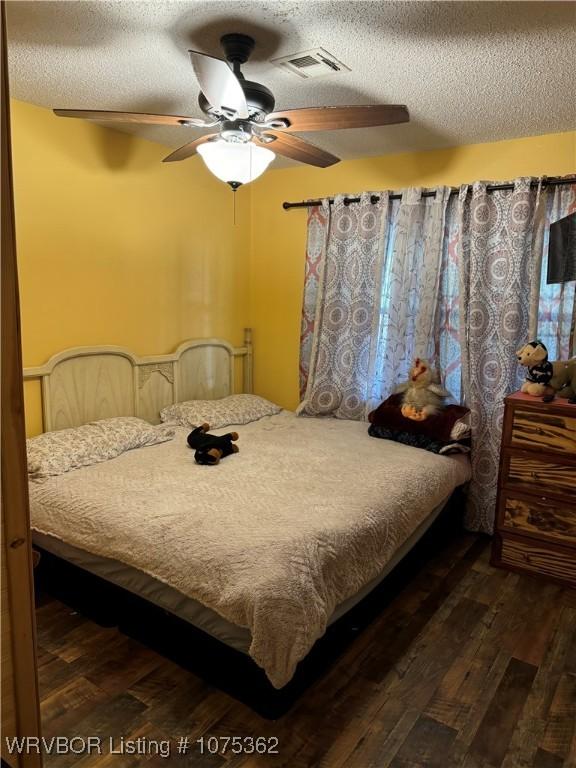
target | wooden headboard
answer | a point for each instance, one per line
(83, 384)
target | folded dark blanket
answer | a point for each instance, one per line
(420, 441)
(438, 427)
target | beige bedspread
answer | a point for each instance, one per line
(273, 538)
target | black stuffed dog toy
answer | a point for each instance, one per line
(209, 449)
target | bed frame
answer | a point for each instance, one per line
(84, 384)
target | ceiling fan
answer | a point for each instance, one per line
(248, 131)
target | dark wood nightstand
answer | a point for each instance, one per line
(536, 509)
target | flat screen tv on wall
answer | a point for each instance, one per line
(562, 250)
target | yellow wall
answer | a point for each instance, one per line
(115, 247)
(279, 237)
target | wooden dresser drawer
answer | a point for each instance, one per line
(544, 431)
(537, 558)
(545, 518)
(536, 507)
(532, 475)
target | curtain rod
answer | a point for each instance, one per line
(550, 182)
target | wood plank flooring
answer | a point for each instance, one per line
(468, 667)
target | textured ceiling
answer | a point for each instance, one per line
(468, 72)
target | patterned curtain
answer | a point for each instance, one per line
(347, 308)
(374, 270)
(317, 239)
(497, 261)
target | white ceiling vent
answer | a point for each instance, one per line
(316, 62)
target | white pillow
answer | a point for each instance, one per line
(234, 409)
(54, 453)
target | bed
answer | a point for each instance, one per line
(263, 552)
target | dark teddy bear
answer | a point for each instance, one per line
(209, 449)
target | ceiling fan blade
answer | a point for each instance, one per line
(298, 149)
(219, 84)
(188, 149)
(131, 117)
(331, 118)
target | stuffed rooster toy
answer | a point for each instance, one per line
(423, 395)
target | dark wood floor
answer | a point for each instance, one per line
(468, 666)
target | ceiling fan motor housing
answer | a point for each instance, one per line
(260, 101)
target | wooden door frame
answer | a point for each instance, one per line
(16, 548)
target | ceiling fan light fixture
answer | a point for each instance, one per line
(235, 163)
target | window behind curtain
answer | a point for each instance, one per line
(447, 342)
